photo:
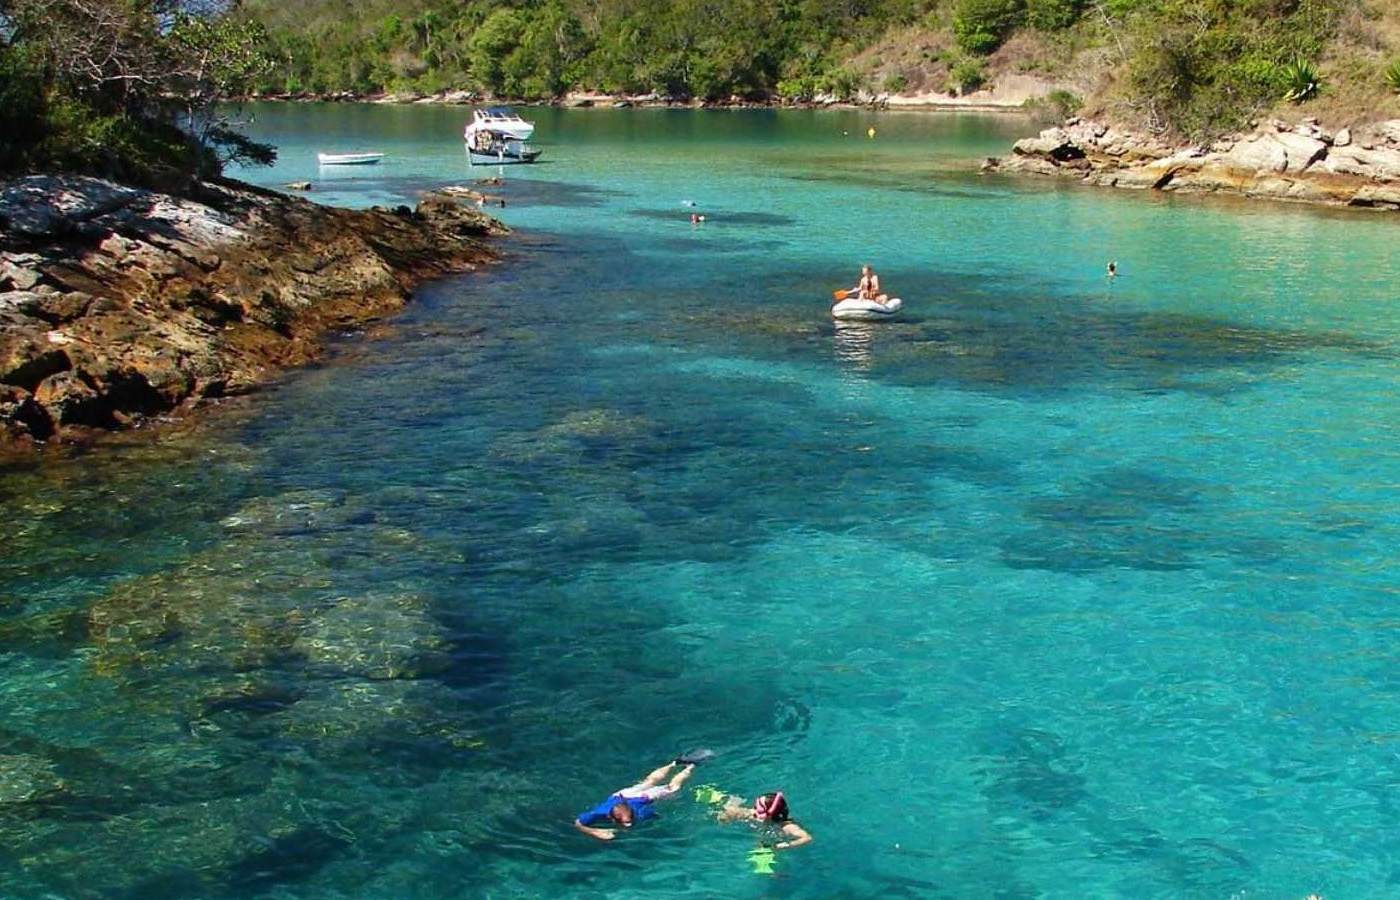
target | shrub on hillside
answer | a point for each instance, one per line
(966, 75)
(896, 82)
(1302, 80)
(842, 84)
(1392, 76)
(1055, 106)
(799, 89)
(1053, 15)
(981, 25)
(1204, 67)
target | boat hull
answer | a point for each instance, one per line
(502, 158)
(349, 159)
(866, 310)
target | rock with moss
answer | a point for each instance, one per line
(120, 305)
(25, 778)
(378, 635)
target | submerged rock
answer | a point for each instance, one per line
(24, 778)
(377, 636)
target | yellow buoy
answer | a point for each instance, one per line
(871, 132)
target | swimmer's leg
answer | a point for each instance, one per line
(656, 777)
(680, 777)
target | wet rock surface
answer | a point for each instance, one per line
(1304, 162)
(119, 306)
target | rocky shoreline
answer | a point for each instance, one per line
(120, 306)
(1300, 162)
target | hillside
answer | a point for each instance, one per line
(1194, 68)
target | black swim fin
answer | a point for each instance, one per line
(693, 757)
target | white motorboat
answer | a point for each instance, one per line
(501, 120)
(348, 159)
(867, 310)
(494, 148)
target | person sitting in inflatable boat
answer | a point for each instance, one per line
(868, 287)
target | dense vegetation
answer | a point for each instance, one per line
(706, 49)
(124, 88)
(1191, 66)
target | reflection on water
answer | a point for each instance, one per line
(853, 342)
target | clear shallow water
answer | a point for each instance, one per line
(1054, 588)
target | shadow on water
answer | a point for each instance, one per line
(542, 192)
(951, 184)
(999, 335)
(715, 217)
(710, 245)
(396, 189)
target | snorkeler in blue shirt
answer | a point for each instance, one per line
(633, 804)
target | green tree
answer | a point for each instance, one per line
(127, 87)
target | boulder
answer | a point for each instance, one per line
(21, 418)
(1388, 132)
(463, 192)
(71, 400)
(1054, 144)
(1278, 152)
(1302, 150)
(1343, 138)
(1380, 164)
(48, 205)
(1377, 195)
(15, 275)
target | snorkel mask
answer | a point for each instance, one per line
(764, 807)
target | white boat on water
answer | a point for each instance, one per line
(866, 310)
(501, 120)
(492, 148)
(348, 159)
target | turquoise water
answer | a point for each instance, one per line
(1053, 588)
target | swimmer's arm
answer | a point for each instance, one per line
(733, 810)
(798, 835)
(602, 834)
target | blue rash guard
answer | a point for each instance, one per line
(641, 809)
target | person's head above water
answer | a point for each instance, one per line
(771, 807)
(622, 814)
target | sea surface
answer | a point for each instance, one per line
(1055, 587)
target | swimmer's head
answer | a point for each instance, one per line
(771, 808)
(622, 814)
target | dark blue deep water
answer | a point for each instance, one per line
(1053, 588)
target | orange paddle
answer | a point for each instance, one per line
(840, 295)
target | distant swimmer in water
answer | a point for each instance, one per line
(633, 804)
(868, 287)
(770, 815)
(1113, 269)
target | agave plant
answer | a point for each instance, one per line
(1302, 80)
(1392, 75)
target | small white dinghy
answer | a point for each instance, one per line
(348, 159)
(856, 308)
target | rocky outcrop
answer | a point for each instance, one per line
(119, 305)
(1303, 162)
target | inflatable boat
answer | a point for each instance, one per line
(856, 308)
